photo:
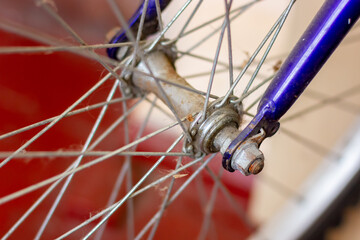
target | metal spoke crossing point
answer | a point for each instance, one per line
(210, 133)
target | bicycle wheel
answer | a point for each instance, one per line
(44, 82)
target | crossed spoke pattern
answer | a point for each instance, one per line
(176, 179)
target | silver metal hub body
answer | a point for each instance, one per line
(210, 133)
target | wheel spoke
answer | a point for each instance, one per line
(126, 184)
(267, 50)
(103, 212)
(61, 21)
(82, 167)
(164, 202)
(162, 33)
(158, 85)
(308, 143)
(323, 103)
(77, 161)
(208, 36)
(37, 36)
(280, 187)
(213, 69)
(133, 189)
(341, 104)
(58, 48)
(181, 33)
(158, 12)
(176, 194)
(207, 23)
(239, 210)
(276, 26)
(119, 181)
(56, 120)
(229, 44)
(115, 124)
(209, 209)
(125, 169)
(66, 154)
(72, 113)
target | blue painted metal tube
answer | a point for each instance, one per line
(324, 34)
(150, 25)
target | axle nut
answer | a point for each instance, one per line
(248, 159)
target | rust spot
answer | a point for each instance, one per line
(277, 66)
(190, 117)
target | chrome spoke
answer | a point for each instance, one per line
(164, 202)
(256, 52)
(176, 194)
(231, 66)
(56, 120)
(209, 208)
(37, 36)
(129, 193)
(341, 104)
(126, 184)
(82, 167)
(119, 181)
(139, 33)
(103, 212)
(239, 210)
(125, 169)
(115, 124)
(162, 33)
(241, 8)
(58, 48)
(181, 33)
(280, 187)
(267, 50)
(61, 21)
(323, 103)
(158, 85)
(71, 113)
(158, 12)
(208, 36)
(65, 154)
(77, 162)
(213, 69)
(308, 143)
(130, 220)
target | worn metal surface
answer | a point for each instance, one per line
(211, 134)
(184, 101)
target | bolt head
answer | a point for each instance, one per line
(248, 159)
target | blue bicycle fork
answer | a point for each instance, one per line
(324, 34)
